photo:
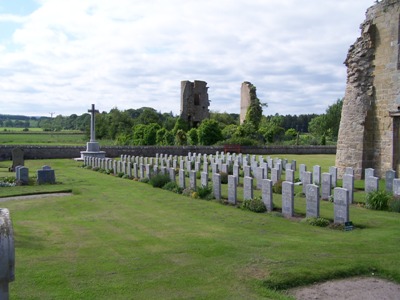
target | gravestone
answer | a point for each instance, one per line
(236, 172)
(389, 177)
(204, 179)
(217, 186)
(172, 174)
(247, 171)
(333, 172)
(294, 165)
(289, 176)
(22, 175)
(317, 175)
(349, 171)
(232, 190)
(341, 205)
(7, 250)
(326, 186)
(371, 184)
(192, 180)
(307, 179)
(266, 194)
(369, 172)
(274, 175)
(260, 175)
(312, 201)
(46, 175)
(182, 181)
(302, 170)
(396, 187)
(247, 188)
(287, 199)
(348, 184)
(17, 158)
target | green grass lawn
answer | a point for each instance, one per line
(121, 239)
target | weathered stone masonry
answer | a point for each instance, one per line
(369, 128)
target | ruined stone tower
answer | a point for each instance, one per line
(194, 101)
(369, 134)
(245, 100)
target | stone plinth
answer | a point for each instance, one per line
(92, 150)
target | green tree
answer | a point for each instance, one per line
(209, 132)
(138, 132)
(193, 137)
(333, 116)
(180, 138)
(150, 133)
(317, 126)
(180, 124)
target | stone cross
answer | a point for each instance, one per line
(92, 128)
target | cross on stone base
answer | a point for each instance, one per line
(92, 128)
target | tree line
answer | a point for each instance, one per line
(146, 126)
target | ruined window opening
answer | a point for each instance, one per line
(196, 99)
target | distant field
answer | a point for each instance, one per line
(36, 136)
(42, 138)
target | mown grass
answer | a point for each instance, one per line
(120, 239)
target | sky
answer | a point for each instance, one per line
(58, 57)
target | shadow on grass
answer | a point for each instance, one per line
(27, 241)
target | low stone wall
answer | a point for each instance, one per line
(48, 152)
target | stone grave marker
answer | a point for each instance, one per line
(348, 184)
(204, 179)
(247, 188)
(307, 179)
(182, 182)
(217, 185)
(289, 176)
(260, 175)
(341, 205)
(288, 199)
(192, 180)
(317, 175)
(369, 172)
(390, 175)
(172, 174)
(312, 201)
(371, 184)
(46, 176)
(17, 158)
(326, 186)
(274, 175)
(266, 194)
(349, 171)
(303, 169)
(333, 172)
(232, 190)
(22, 175)
(236, 172)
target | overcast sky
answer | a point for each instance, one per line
(62, 55)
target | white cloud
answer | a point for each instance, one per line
(129, 54)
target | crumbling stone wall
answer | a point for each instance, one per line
(245, 100)
(368, 137)
(194, 101)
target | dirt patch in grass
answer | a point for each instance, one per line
(366, 288)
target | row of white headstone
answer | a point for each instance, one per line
(315, 186)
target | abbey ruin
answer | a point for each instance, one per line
(369, 134)
(194, 102)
